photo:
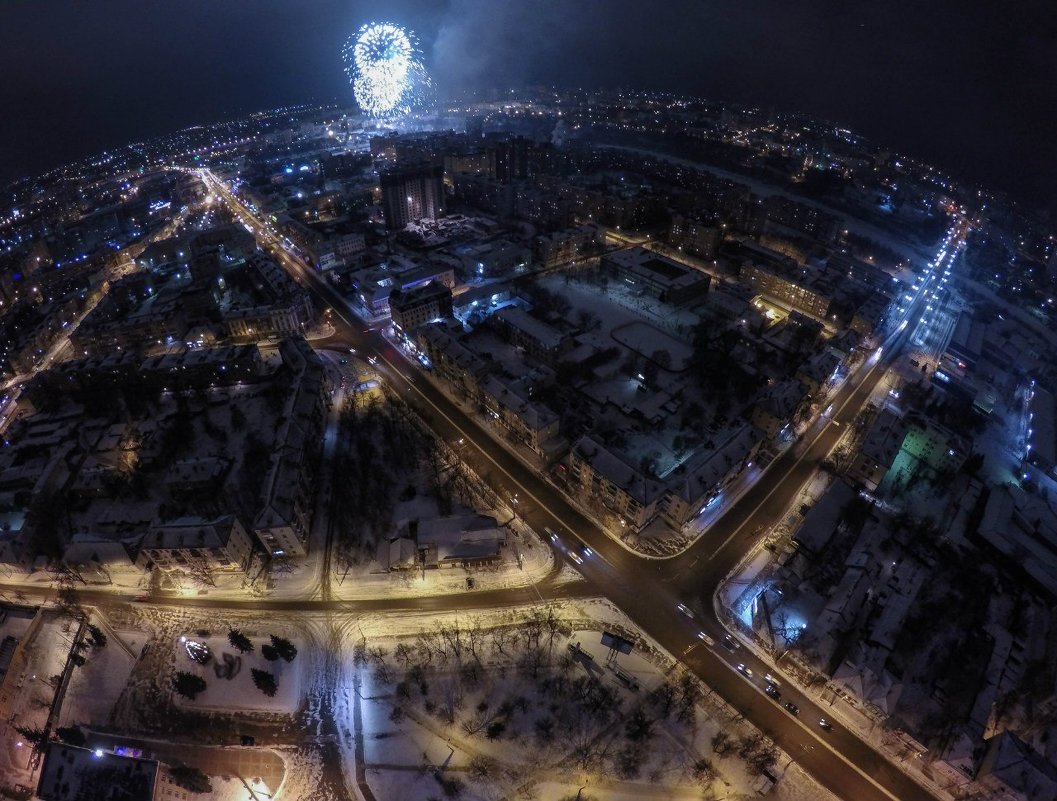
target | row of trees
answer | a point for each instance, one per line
(379, 445)
(460, 676)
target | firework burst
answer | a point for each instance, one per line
(384, 64)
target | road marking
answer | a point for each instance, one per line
(793, 466)
(340, 309)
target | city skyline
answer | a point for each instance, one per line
(559, 443)
(969, 87)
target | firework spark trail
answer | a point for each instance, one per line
(384, 64)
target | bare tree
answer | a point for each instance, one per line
(500, 639)
(452, 635)
(382, 670)
(474, 638)
(404, 653)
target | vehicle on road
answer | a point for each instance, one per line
(773, 692)
(586, 551)
(791, 708)
(731, 644)
(141, 598)
(576, 557)
(825, 725)
(551, 533)
(745, 669)
(685, 610)
(705, 638)
(772, 680)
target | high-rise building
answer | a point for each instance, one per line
(512, 158)
(412, 193)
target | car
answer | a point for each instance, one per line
(550, 533)
(773, 692)
(791, 708)
(731, 644)
(343, 361)
(825, 725)
(587, 551)
(576, 557)
(743, 668)
(372, 359)
(685, 610)
(705, 638)
(141, 598)
(772, 680)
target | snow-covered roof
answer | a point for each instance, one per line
(618, 472)
(821, 521)
(547, 336)
(1012, 762)
(884, 437)
(80, 774)
(190, 532)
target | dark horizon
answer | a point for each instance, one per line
(968, 87)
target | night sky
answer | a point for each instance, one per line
(970, 86)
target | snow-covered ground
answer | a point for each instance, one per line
(95, 687)
(238, 693)
(447, 703)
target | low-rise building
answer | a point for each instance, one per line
(666, 279)
(197, 545)
(788, 288)
(691, 487)
(531, 423)
(774, 410)
(694, 236)
(461, 367)
(70, 773)
(568, 244)
(284, 522)
(539, 339)
(818, 370)
(1012, 770)
(459, 541)
(414, 307)
(878, 451)
(95, 560)
(598, 474)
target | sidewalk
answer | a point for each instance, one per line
(804, 677)
(259, 767)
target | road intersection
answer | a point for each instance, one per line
(649, 591)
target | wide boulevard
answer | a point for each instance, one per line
(647, 590)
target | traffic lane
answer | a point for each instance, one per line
(717, 669)
(766, 507)
(550, 587)
(786, 475)
(514, 469)
(772, 715)
(549, 506)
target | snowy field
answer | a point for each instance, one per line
(529, 708)
(95, 687)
